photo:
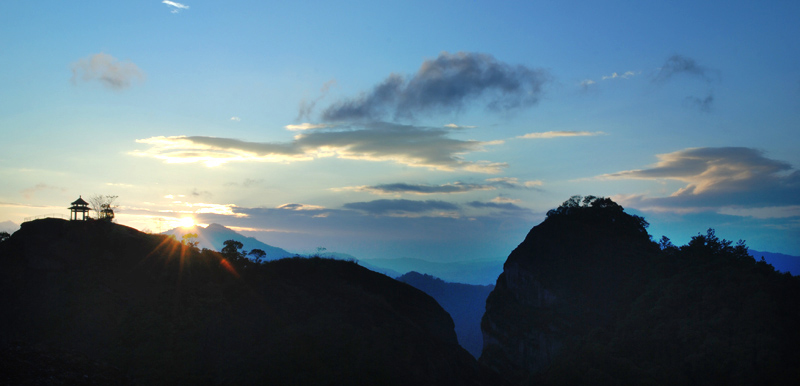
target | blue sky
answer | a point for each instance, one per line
(437, 130)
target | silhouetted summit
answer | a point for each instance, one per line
(165, 313)
(588, 298)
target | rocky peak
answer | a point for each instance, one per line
(562, 280)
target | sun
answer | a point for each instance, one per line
(186, 222)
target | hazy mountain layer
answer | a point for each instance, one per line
(464, 302)
(214, 236)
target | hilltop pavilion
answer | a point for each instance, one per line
(78, 206)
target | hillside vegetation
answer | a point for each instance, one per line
(589, 298)
(166, 313)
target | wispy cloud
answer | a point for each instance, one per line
(176, 7)
(107, 70)
(30, 192)
(236, 119)
(306, 126)
(514, 183)
(398, 188)
(587, 83)
(556, 134)
(377, 141)
(454, 126)
(445, 84)
(681, 65)
(506, 206)
(704, 104)
(624, 75)
(449, 188)
(306, 107)
(405, 207)
(719, 177)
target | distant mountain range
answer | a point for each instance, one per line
(464, 302)
(781, 262)
(8, 226)
(476, 272)
(214, 237)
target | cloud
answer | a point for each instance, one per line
(397, 188)
(513, 183)
(104, 68)
(197, 193)
(300, 207)
(403, 207)
(236, 119)
(449, 188)
(176, 7)
(454, 126)
(704, 104)
(377, 141)
(306, 126)
(681, 65)
(29, 192)
(586, 83)
(555, 134)
(307, 107)
(614, 75)
(508, 206)
(719, 177)
(445, 84)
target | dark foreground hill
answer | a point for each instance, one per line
(127, 307)
(588, 298)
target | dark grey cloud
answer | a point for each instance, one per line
(445, 84)
(401, 207)
(681, 65)
(704, 104)
(718, 177)
(373, 141)
(198, 193)
(449, 188)
(678, 65)
(107, 70)
(307, 106)
(400, 187)
(496, 205)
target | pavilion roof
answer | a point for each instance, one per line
(79, 201)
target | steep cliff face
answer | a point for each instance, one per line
(587, 298)
(569, 277)
(164, 313)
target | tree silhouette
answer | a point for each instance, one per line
(190, 239)
(258, 254)
(103, 206)
(231, 251)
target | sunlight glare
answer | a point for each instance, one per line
(186, 222)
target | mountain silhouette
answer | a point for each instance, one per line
(165, 313)
(477, 272)
(214, 236)
(781, 262)
(589, 298)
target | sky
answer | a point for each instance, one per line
(439, 130)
